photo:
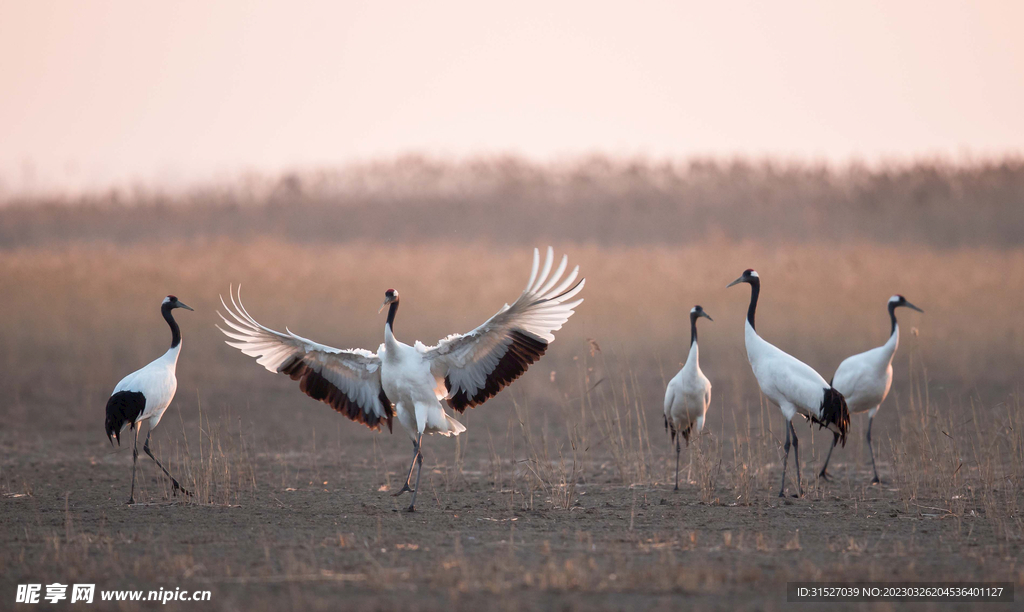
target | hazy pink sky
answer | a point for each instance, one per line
(171, 92)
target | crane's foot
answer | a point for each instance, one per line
(405, 489)
(411, 508)
(175, 487)
(824, 476)
(799, 492)
(876, 481)
(131, 501)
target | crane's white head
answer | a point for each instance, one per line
(698, 311)
(749, 276)
(390, 297)
(172, 302)
(898, 300)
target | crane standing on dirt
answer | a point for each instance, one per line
(145, 394)
(791, 384)
(864, 379)
(688, 395)
(464, 370)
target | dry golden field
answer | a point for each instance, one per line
(560, 494)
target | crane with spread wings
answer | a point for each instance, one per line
(411, 381)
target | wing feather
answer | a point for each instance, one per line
(474, 367)
(346, 380)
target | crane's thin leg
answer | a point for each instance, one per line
(796, 458)
(678, 450)
(415, 453)
(823, 473)
(419, 470)
(785, 461)
(872, 450)
(175, 487)
(135, 462)
(689, 468)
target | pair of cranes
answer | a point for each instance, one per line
(409, 382)
(860, 384)
(466, 370)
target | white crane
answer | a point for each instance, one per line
(145, 394)
(464, 370)
(791, 384)
(864, 379)
(688, 394)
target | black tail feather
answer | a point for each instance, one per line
(834, 412)
(123, 407)
(670, 426)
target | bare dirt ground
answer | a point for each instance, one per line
(304, 528)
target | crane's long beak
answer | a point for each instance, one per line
(381, 309)
(909, 305)
(706, 316)
(185, 306)
(735, 282)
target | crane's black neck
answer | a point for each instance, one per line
(755, 289)
(175, 332)
(892, 316)
(391, 315)
(693, 328)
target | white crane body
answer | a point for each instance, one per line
(406, 379)
(789, 383)
(865, 379)
(157, 383)
(688, 396)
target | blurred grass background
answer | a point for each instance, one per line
(510, 200)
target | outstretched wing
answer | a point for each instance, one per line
(348, 381)
(475, 366)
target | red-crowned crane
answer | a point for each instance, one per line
(688, 394)
(463, 370)
(864, 379)
(791, 384)
(145, 394)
